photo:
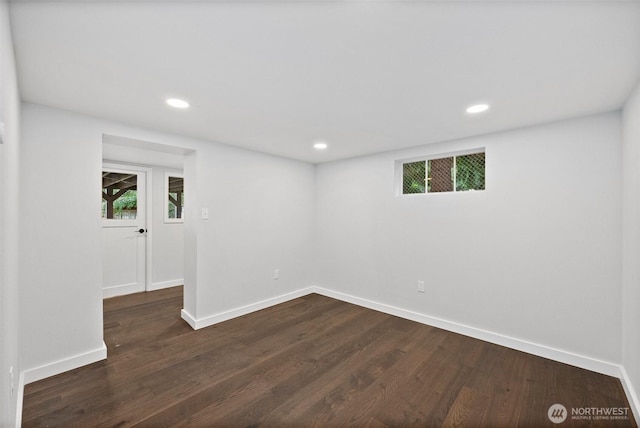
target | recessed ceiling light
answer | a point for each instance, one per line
(177, 103)
(320, 146)
(478, 108)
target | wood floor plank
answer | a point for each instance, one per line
(391, 396)
(312, 361)
(320, 354)
(186, 355)
(337, 380)
(468, 409)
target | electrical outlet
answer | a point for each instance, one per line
(276, 274)
(11, 382)
(420, 286)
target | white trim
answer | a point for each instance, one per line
(149, 242)
(65, 364)
(630, 393)
(121, 290)
(20, 400)
(166, 284)
(198, 323)
(190, 319)
(599, 366)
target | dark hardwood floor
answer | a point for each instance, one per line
(313, 361)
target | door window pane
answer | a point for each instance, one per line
(119, 196)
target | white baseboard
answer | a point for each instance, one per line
(198, 323)
(165, 284)
(121, 290)
(631, 393)
(190, 319)
(66, 364)
(604, 367)
(19, 400)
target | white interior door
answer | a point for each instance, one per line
(124, 231)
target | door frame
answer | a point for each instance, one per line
(148, 212)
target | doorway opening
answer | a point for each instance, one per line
(138, 195)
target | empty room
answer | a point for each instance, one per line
(319, 213)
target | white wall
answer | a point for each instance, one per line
(536, 257)
(168, 238)
(60, 251)
(9, 215)
(631, 245)
(260, 219)
(261, 211)
(139, 152)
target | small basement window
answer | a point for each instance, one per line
(447, 174)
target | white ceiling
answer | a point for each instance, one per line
(364, 76)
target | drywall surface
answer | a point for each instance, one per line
(141, 152)
(260, 219)
(60, 252)
(536, 256)
(9, 221)
(168, 238)
(631, 242)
